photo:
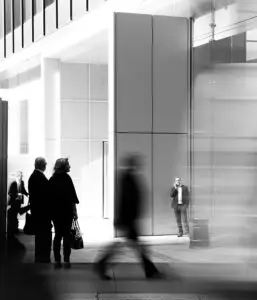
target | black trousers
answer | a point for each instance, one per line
(43, 245)
(180, 211)
(131, 235)
(62, 230)
(43, 241)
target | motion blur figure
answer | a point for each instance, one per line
(16, 199)
(128, 212)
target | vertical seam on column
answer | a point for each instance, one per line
(152, 144)
(5, 18)
(190, 64)
(115, 134)
(13, 26)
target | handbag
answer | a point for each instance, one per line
(76, 236)
(29, 227)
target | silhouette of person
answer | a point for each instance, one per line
(40, 210)
(63, 205)
(129, 209)
(16, 199)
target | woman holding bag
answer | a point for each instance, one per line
(64, 200)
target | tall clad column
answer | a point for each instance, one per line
(131, 101)
(52, 104)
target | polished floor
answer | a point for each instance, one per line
(198, 273)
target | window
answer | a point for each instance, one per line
(24, 134)
(27, 9)
(8, 16)
(17, 13)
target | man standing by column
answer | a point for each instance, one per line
(41, 211)
(180, 201)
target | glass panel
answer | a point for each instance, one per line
(27, 9)
(49, 2)
(38, 19)
(50, 16)
(38, 6)
(1, 18)
(63, 12)
(79, 7)
(1, 29)
(8, 16)
(17, 13)
(27, 27)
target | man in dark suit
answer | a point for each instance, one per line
(16, 199)
(40, 210)
(180, 201)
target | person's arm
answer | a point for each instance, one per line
(23, 190)
(173, 192)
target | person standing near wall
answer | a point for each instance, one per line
(63, 210)
(40, 210)
(16, 195)
(180, 201)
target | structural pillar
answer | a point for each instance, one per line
(52, 102)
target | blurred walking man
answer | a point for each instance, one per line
(128, 212)
(180, 201)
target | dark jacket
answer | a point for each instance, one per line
(13, 193)
(38, 186)
(174, 196)
(130, 199)
(63, 197)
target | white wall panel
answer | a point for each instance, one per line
(99, 82)
(99, 120)
(133, 72)
(74, 81)
(77, 151)
(75, 123)
(17, 39)
(169, 161)
(141, 143)
(170, 65)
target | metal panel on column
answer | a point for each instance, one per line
(170, 76)
(140, 143)
(169, 160)
(133, 53)
(3, 173)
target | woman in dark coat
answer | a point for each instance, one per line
(64, 200)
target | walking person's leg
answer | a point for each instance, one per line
(177, 212)
(66, 249)
(149, 267)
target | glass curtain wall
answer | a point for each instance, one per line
(225, 135)
(25, 21)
